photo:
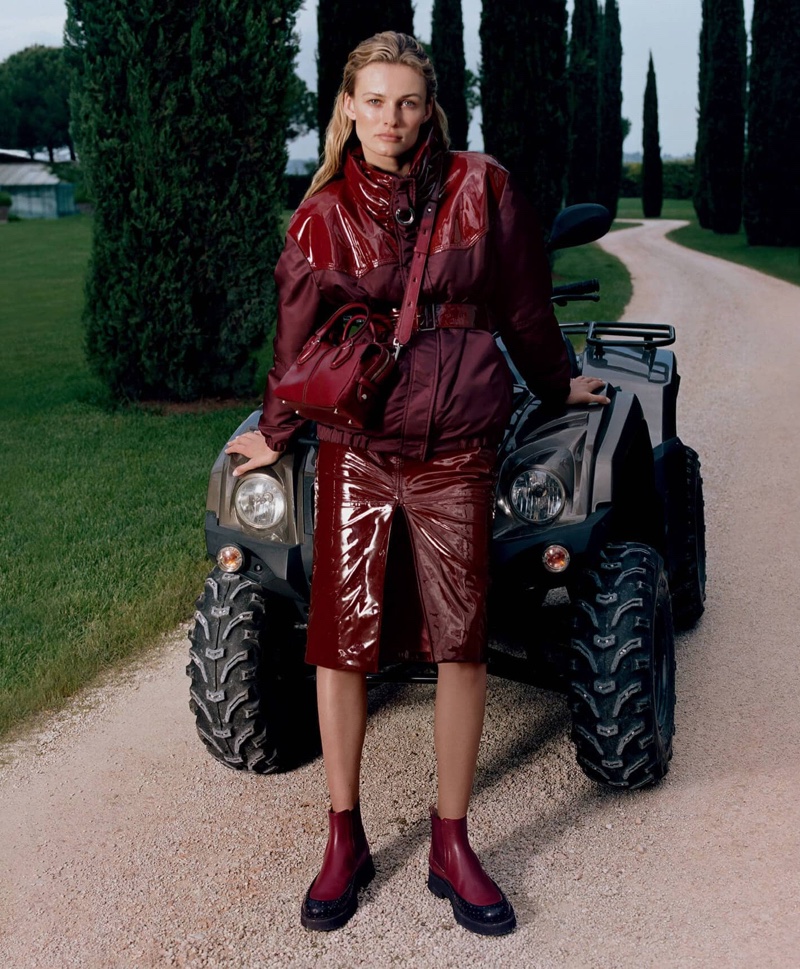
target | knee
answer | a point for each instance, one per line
(464, 675)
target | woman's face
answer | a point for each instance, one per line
(388, 106)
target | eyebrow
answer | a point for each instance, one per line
(379, 94)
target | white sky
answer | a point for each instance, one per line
(670, 28)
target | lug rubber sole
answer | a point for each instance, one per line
(349, 901)
(442, 889)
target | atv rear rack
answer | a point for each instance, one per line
(646, 335)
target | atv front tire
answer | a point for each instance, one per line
(688, 581)
(253, 702)
(622, 680)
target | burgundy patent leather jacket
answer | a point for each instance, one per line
(453, 388)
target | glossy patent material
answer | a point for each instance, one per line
(420, 596)
(452, 388)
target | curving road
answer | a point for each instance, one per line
(124, 845)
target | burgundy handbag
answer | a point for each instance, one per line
(339, 376)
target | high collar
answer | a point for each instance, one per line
(384, 194)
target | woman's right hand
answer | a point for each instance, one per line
(253, 446)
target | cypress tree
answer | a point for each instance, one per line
(584, 92)
(772, 186)
(652, 170)
(701, 195)
(524, 97)
(447, 52)
(725, 110)
(37, 89)
(609, 154)
(341, 26)
(181, 122)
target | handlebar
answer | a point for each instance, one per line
(582, 288)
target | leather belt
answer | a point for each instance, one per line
(461, 316)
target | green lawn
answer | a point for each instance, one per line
(780, 261)
(671, 209)
(102, 540)
(587, 262)
(102, 510)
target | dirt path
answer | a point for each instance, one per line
(124, 845)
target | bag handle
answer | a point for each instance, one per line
(416, 271)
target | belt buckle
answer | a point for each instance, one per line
(426, 317)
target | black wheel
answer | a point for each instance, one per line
(622, 681)
(250, 692)
(688, 579)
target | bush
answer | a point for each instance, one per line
(678, 180)
(181, 118)
(5, 200)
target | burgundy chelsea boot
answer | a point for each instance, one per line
(455, 873)
(347, 866)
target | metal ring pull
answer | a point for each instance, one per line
(405, 216)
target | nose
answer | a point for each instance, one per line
(391, 115)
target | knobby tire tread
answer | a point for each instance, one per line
(617, 669)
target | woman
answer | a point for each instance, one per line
(424, 474)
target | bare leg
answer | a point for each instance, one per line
(342, 705)
(458, 724)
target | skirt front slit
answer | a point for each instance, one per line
(401, 558)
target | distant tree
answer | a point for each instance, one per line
(524, 97)
(341, 26)
(447, 52)
(652, 170)
(8, 110)
(181, 122)
(609, 153)
(472, 88)
(35, 88)
(772, 186)
(702, 195)
(302, 108)
(725, 113)
(584, 93)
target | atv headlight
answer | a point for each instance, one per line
(537, 495)
(259, 501)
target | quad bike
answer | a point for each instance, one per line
(599, 508)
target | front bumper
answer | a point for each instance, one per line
(282, 569)
(521, 557)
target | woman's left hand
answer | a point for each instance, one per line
(582, 391)
(253, 446)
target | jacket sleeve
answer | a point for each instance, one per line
(523, 313)
(299, 307)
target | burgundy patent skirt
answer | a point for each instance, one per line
(401, 558)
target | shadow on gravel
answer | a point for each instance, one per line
(537, 720)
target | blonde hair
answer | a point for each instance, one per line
(388, 47)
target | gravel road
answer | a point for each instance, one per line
(124, 845)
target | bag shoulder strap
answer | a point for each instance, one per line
(405, 322)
